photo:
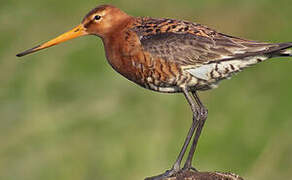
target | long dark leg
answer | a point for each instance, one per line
(176, 167)
(191, 102)
(202, 114)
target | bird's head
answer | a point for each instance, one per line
(100, 21)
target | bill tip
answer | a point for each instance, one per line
(28, 51)
(19, 55)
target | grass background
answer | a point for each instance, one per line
(66, 115)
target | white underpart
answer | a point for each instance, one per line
(163, 89)
(202, 72)
(218, 69)
(287, 51)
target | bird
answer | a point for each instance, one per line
(170, 56)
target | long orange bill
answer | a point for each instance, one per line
(74, 33)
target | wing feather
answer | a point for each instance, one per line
(190, 43)
(190, 49)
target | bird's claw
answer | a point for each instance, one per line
(170, 173)
(167, 173)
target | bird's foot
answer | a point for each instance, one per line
(167, 174)
(170, 173)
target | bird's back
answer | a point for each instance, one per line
(199, 56)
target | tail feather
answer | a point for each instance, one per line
(285, 53)
(282, 50)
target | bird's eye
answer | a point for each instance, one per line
(97, 17)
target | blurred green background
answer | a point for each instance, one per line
(66, 115)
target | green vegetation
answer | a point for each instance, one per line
(66, 115)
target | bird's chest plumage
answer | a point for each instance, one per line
(123, 55)
(129, 59)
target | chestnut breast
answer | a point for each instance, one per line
(125, 55)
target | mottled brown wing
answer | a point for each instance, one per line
(190, 49)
